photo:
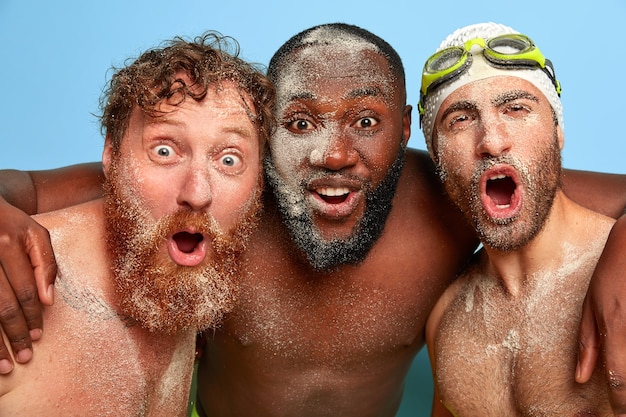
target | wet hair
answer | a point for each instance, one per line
(204, 62)
(300, 41)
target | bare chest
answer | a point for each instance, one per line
(496, 354)
(331, 320)
(90, 361)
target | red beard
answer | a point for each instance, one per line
(152, 289)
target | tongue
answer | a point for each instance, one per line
(334, 199)
(187, 242)
(500, 190)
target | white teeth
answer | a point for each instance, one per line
(498, 177)
(332, 192)
(503, 206)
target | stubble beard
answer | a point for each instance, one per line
(326, 254)
(541, 181)
(152, 289)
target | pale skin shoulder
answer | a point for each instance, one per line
(112, 366)
(576, 240)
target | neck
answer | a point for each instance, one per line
(545, 252)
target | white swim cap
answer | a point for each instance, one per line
(481, 69)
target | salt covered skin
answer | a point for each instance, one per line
(502, 338)
(338, 341)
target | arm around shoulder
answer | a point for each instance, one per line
(603, 326)
(67, 186)
(42, 191)
(28, 267)
(598, 191)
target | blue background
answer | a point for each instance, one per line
(55, 57)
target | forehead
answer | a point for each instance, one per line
(224, 108)
(334, 68)
(492, 91)
(223, 94)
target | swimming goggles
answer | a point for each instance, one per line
(512, 51)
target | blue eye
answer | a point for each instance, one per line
(164, 151)
(231, 160)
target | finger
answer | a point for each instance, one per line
(44, 264)
(588, 343)
(614, 341)
(6, 360)
(21, 278)
(13, 324)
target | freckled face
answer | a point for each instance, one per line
(498, 153)
(341, 116)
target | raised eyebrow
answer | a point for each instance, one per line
(458, 106)
(513, 95)
(163, 119)
(235, 128)
(244, 132)
(240, 131)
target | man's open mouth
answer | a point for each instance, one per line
(500, 193)
(187, 242)
(335, 198)
(500, 189)
(333, 195)
(187, 248)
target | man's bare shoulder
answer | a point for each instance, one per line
(422, 168)
(422, 203)
(420, 185)
(89, 213)
(78, 239)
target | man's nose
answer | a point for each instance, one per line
(195, 191)
(339, 154)
(494, 141)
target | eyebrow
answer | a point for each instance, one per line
(459, 105)
(303, 95)
(162, 119)
(364, 92)
(240, 131)
(235, 128)
(513, 95)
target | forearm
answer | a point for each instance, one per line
(601, 192)
(43, 191)
(17, 189)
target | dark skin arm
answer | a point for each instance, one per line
(27, 264)
(43, 191)
(600, 192)
(603, 326)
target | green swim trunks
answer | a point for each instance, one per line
(194, 411)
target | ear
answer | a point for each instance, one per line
(406, 124)
(433, 148)
(107, 155)
(560, 137)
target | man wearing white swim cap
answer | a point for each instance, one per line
(503, 337)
